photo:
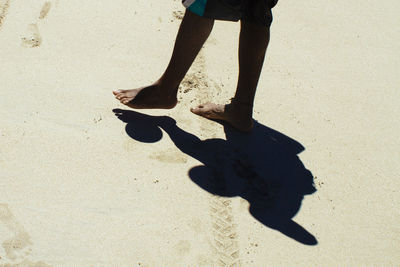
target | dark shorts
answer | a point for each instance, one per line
(256, 11)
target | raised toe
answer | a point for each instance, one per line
(150, 97)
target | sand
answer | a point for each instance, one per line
(316, 184)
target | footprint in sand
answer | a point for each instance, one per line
(45, 10)
(31, 37)
(4, 5)
(18, 246)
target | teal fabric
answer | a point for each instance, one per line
(198, 7)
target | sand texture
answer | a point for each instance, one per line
(85, 181)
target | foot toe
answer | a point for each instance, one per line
(122, 96)
(120, 92)
(196, 110)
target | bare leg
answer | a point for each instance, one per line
(193, 33)
(253, 44)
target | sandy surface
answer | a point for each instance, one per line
(316, 184)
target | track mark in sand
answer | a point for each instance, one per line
(169, 156)
(32, 37)
(194, 80)
(224, 235)
(178, 15)
(18, 246)
(196, 85)
(45, 10)
(224, 232)
(4, 5)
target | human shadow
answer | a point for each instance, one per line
(261, 167)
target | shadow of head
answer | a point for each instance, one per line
(261, 167)
(142, 127)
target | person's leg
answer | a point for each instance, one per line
(254, 39)
(193, 33)
(253, 44)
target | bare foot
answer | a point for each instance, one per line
(148, 97)
(236, 114)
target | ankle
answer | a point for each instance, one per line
(241, 104)
(239, 109)
(166, 86)
(169, 89)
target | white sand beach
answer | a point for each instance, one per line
(86, 181)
